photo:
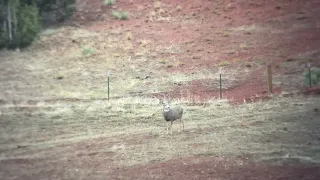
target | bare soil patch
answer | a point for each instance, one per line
(216, 168)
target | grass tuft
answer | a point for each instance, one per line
(122, 15)
(86, 51)
(223, 63)
(109, 2)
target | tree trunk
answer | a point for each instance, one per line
(15, 21)
(9, 23)
(4, 26)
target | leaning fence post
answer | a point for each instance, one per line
(269, 72)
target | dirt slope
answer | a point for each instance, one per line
(56, 123)
(246, 34)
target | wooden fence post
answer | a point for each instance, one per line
(269, 72)
(220, 83)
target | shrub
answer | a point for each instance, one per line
(86, 51)
(109, 2)
(122, 15)
(223, 63)
(315, 77)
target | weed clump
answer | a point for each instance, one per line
(315, 77)
(109, 2)
(86, 51)
(122, 15)
(223, 63)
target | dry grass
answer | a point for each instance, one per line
(263, 129)
(247, 29)
(47, 77)
(160, 12)
(131, 130)
(293, 79)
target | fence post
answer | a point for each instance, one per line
(220, 85)
(269, 72)
(108, 81)
(309, 69)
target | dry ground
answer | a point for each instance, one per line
(126, 139)
(56, 122)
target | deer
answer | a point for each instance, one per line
(171, 114)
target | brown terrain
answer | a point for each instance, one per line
(56, 122)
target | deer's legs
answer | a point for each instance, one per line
(171, 126)
(181, 125)
(167, 127)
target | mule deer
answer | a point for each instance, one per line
(171, 114)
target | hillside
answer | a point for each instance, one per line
(56, 121)
(171, 47)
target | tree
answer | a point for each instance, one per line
(19, 23)
(62, 9)
(20, 19)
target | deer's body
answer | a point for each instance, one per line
(172, 114)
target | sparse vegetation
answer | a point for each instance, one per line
(109, 2)
(133, 119)
(122, 15)
(128, 36)
(248, 64)
(315, 76)
(48, 31)
(163, 61)
(244, 46)
(87, 51)
(223, 63)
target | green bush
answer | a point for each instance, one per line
(122, 15)
(109, 2)
(315, 77)
(86, 51)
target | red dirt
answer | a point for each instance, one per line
(312, 91)
(216, 168)
(100, 165)
(207, 41)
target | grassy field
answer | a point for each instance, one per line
(131, 131)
